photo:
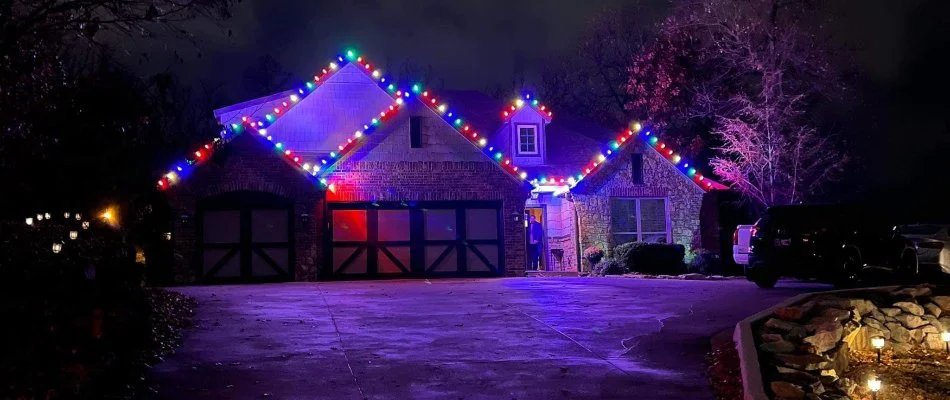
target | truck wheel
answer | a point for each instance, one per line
(765, 280)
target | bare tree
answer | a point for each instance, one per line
(762, 78)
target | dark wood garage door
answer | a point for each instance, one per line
(246, 237)
(394, 239)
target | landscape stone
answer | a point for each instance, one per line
(847, 386)
(806, 362)
(874, 323)
(785, 390)
(899, 334)
(799, 378)
(771, 337)
(910, 321)
(781, 346)
(890, 312)
(915, 291)
(945, 321)
(840, 358)
(934, 342)
(877, 314)
(695, 276)
(825, 338)
(932, 320)
(790, 328)
(901, 347)
(789, 313)
(917, 335)
(942, 301)
(909, 307)
(933, 309)
(837, 314)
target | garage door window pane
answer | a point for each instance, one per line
(440, 224)
(269, 226)
(393, 225)
(221, 227)
(349, 225)
(481, 224)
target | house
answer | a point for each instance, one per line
(354, 176)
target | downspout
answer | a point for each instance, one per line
(577, 230)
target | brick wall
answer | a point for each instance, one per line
(245, 165)
(446, 168)
(661, 179)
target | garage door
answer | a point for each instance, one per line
(395, 239)
(246, 237)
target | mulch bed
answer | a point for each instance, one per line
(917, 375)
(722, 369)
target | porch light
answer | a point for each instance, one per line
(29, 221)
(73, 235)
(57, 247)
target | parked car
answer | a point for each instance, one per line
(740, 244)
(831, 243)
(933, 245)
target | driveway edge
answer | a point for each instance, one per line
(750, 370)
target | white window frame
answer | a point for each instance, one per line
(639, 232)
(537, 146)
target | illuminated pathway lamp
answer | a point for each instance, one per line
(945, 336)
(878, 343)
(57, 247)
(73, 235)
(874, 385)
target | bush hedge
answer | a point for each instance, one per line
(609, 267)
(651, 258)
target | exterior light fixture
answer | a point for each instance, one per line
(878, 343)
(39, 217)
(85, 224)
(73, 235)
(57, 247)
(945, 336)
(168, 235)
(46, 215)
(65, 215)
(29, 221)
(874, 385)
(78, 216)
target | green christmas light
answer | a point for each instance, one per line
(391, 87)
(310, 85)
(279, 145)
(269, 117)
(416, 88)
(458, 121)
(350, 54)
(498, 156)
(614, 145)
(653, 140)
(691, 171)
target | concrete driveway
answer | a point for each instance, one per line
(518, 338)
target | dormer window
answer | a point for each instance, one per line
(527, 139)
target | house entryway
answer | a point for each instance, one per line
(245, 237)
(414, 239)
(536, 254)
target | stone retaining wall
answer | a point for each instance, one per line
(804, 347)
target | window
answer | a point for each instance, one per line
(639, 220)
(527, 139)
(636, 168)
(415, 132)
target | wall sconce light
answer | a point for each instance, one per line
(85, 224)
(57, 247)
(73, 235)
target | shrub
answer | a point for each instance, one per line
(593, 255)
(651, 258)
(707, 263)
(609, 267)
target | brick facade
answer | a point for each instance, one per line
(446, 168)
(245, 165)
(660, 179)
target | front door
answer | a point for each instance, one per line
(397, 239)
(535, 239)
(245, 237)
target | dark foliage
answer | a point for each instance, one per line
(79, 324)
(609, 267)
(593, 255)
(651, 258)
(707, 263)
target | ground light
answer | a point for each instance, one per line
(878, 343)
(57, 247)
(73, 235)
(874, 385)
(945, 336)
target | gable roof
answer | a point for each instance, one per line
(572, 139)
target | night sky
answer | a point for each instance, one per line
(900, 134)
